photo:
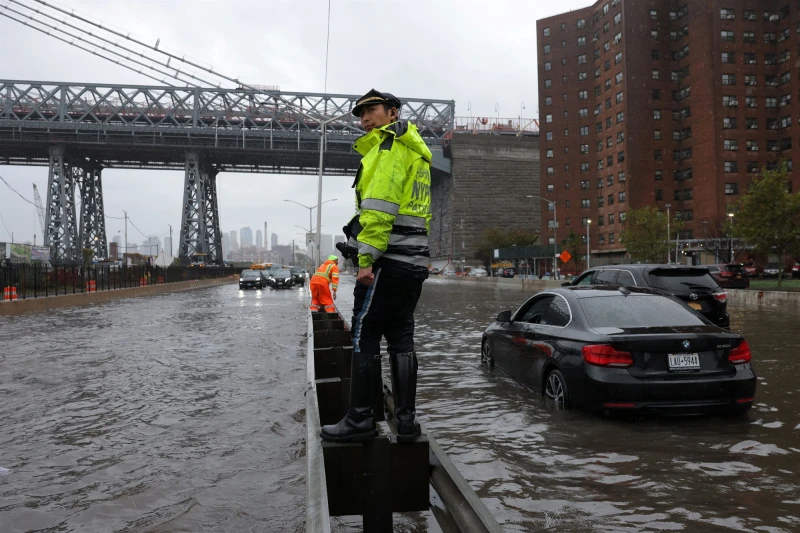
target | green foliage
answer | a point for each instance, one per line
(495, 238)
(645, 234)
(87, 254)
(768, 216)
(572, 244)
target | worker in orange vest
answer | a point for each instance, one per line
(328, 272)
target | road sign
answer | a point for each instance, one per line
(565, 256)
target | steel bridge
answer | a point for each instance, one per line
(76, 130)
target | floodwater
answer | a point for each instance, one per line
(184, 412)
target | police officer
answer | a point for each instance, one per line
(389, 237)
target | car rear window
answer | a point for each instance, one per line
(637, 311)
(681, 280)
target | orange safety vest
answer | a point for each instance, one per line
(329, 272)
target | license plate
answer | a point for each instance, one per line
(696, 306)
(683, 361)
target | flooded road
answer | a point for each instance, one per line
(183, 413)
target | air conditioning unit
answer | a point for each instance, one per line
(753, 126)
(773, 18)
(733, 103)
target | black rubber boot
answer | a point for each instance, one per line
(359, 422)
(404, 392)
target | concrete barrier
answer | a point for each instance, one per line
(763, 299)
(16, 307)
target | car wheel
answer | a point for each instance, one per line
(486, 354)
(555, 388)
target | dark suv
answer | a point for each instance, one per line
(693, 285)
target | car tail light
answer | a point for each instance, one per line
(744, 400)
(726, 274)
(740, 354)
(721, 296)
(605, 355)
(618, 405)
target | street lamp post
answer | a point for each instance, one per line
(323, 125)
(730, 238)
(521, 107)
(668, 206)
(310, 224)
(588, 252)
(555, 235)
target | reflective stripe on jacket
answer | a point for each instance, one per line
(329, 272)
(393, 199)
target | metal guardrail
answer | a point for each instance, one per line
(380, 476)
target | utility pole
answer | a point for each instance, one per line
(126, 236)
(588, 252)
(292, 251)
(170, 240)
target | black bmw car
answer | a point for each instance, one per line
(281, 279)
(251, 279)
(613, 349)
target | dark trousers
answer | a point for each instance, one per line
(385, 308)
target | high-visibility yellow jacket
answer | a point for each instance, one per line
(328, 272)
(393, 200)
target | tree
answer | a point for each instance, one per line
(495, 238)
(88, 254)
(717, 239)
(768, 216)
(572, 244)
(645, 232)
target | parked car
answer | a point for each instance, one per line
(478, 272)
(771, 270)
(796, 270)
(693, 285)
(729, 276)
(614, 349)
(752, 269)
(298, 276)
(434, 271)
(251, 279)
(508, 273)
(448, 272)
(281, 279)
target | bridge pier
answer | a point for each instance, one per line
(92, 229)
(61, 232)
(200, 231)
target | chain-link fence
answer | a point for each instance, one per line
(21, 281)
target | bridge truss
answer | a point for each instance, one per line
(78, 129)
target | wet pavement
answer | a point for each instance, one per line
(183, 412)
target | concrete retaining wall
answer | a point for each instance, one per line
(17, 307)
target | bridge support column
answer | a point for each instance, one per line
(92, 223)
(200, 231)
(61, 232)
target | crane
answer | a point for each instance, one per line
(37, 201)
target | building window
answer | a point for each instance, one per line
(752, 146)
(682, 195)
(607, 65)
(617, 18)
(659, 176)
(584, 167)
(600, 184)
(608, 103)
(610, 180)
(752, 167)
(786, 122)
(606, 46)
(583, 112)
(601, 202)
(549, 153)
(681, 95)
(749, 37)
(598, 127)
(548, 66)
(731, 188)
(581, 23)
(731, 166)
(729, 101)
(582, 59)
(770, 102)
(727, 36)
(657, 155)
(622, 217)
(617, 58)
(550, 171)
(607, 84)
(621, 177)
(730, 144)
(584, 148)
(610, 235)
(653, 14)
(585, 203)
(620, 117)
(584, 131)
(654, 35)
(583, 95)
(548, 83)
(785, 100)
(657, 135)
(620, 137)
(548, 119)
(785, 56)
(750, 102)
(729, 79)
(563, 61)
(749, 14)
(546, 32)
(726, 14)
(752, 123)
(656, 114)
(769, 59)
(621, 197)
(728, 58)
(620, 157)
(600, 164)
(659, 194)
(655, 74)
(786, 144)
(563, 26)
(581, 41)
(548, 100)
(610, 200)
(611, 220)
(749, 59)
(581, 76)
(599, 146)
(585, 185)
(547, 49)
(618, 78)
(609, 142)
(609, 122)
(597, 72)
(750, 81)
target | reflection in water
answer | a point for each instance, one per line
(183, 412)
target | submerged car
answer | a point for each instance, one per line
(251, 279)
(298, 275)
(693, 285)
(613, 349)
(281, 279)
(478, 273)
(771, 270)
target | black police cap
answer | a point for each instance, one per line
(375, 97)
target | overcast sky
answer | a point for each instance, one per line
(477, 52)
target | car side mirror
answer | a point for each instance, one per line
(566, 284)
(504, 316)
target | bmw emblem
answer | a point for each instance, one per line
(693, 296)
(686, 345)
